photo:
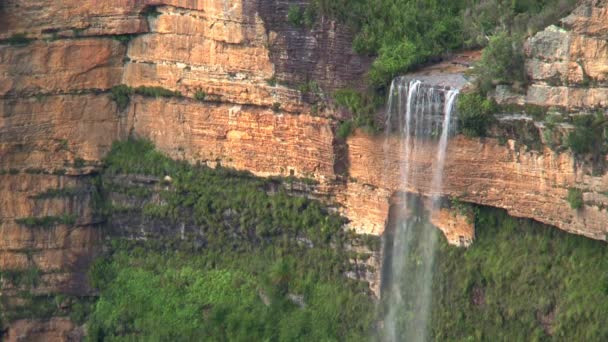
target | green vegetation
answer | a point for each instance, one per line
(77, 32)
(58, 193)
(225, 295)
(590, 135)
(276, 107)
(29, 277)
(47, 221)
(502, 62)
(271, 266)
(47, 306)
(301, 17)
(200, 95)
(34, 171)
(128, 190)
(79, 162)
(310, 87)
(552, 137)
(521, 280)
(475, 114)
(345, 129)
(18, 39)
(123, 38)
(465, 209)
(575, 198)
(156, 92)
(272, 81)
(121, 94)
(405, 34)
(362, 106)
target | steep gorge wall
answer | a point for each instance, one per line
(57, 119)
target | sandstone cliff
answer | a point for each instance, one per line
(57, 120)
(568, 65)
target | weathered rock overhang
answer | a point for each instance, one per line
(526, 183)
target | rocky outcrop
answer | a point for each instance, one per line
(240, 67)
(526, 183)
(568, 65)
(243, 137)
(458, 228)
(55, 329)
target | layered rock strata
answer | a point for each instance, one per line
(57, 121)
(568, 65)
(527, 183)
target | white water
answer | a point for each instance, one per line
(408, 291)
(437, 185)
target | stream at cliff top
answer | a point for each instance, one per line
(416, 111)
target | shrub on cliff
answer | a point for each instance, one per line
(121, 95)
(200, 95)
(362, 107)
(590, 135)
(18, 39)
(301, 17)
(475, 114)
(47, 221)
(345, 129)
(156, 92)
(502, 62)
(295, 16)
(575, 198)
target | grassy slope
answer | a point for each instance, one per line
(521, 280)
(241, 284)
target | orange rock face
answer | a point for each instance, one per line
(527, 184)
(568, 66)
(458, 229)
(61, 66)
(56, 114)
(243, 137)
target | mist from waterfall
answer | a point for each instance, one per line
(416, 112)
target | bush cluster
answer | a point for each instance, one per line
(301, 17)
(575, 198)
(407, 33)
(502, 62)
(272, 267)
(520, 280)
(590, 135)
(47, 221)
(361, 105)
(475, 114)
(121, 94)
(18, 39)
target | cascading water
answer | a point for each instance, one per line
(409, 255)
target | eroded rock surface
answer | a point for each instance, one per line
(568, 65)
(57, 121)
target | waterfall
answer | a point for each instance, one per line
(437, 185)
(409, 257)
